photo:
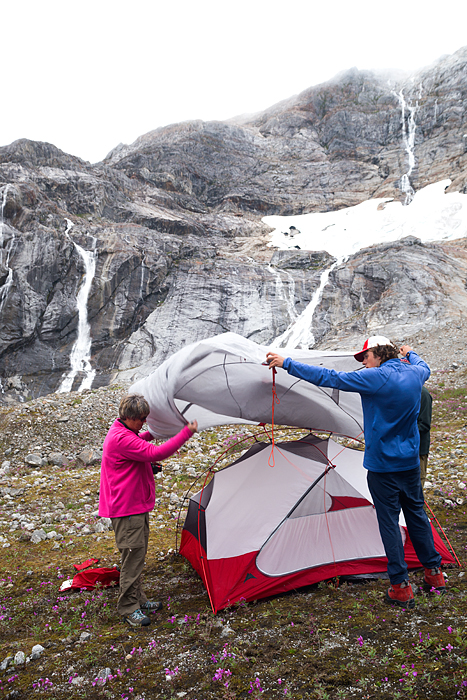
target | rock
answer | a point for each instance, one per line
(14, 383)
(36, 652)
(37, 536)
(20, 658)
(34, 460)
(85, 637)
(78, 680)
(7, 661)
(56, 458)
(90, 457)
(102, 675)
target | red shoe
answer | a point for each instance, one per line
(401, 594)
(434, 579)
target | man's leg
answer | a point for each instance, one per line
(385, 493)
(130, 539)
(418, 525)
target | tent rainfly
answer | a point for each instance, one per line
(255, 529)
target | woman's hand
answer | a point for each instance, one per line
(193, 426)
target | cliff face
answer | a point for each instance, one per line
(173, 226)
(331, 146)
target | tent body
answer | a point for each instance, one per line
(257, 530)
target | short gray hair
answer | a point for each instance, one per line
(133, 406)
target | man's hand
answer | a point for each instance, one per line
(193, 426)
(274, 360)
(405, 349)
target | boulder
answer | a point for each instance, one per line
(38, 535)
(89, 457)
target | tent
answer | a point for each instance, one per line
(257, 530)
(285, 514)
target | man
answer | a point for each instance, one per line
(390, 393)
(127, 494)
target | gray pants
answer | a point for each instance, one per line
(131, 538)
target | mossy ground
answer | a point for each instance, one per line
(333, 640)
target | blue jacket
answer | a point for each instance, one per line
(390, 397)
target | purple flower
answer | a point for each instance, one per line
(360, 641)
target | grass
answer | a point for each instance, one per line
(332, 640)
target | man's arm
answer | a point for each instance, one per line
(365, 382)
(415, 360)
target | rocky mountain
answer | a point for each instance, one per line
(167, 233)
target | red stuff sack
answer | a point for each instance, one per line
(90, 578)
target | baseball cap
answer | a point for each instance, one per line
(371, 343)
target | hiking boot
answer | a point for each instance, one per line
(434, 579)
(401, 594)
(137, 619)
(151, 606)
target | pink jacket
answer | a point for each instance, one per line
(127, 482)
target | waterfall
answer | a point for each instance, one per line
(300, 333)
(9, 281)
(4, 194)
(286, 296)
(408, 136)
(81, 351)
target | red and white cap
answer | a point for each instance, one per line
(371, 343)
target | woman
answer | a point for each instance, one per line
(128, 493)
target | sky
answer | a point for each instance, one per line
(87, 76)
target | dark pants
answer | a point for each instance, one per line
(131, 537)
(392, 491)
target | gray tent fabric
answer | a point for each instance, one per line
(223, 380)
